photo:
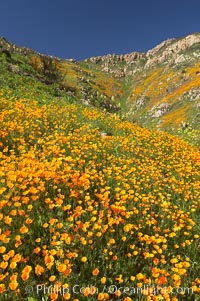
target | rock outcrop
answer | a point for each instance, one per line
(170, 49)
(130, 64)
(118, 65)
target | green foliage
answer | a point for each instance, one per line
(123, 206)
(45, 78)
(189, 134)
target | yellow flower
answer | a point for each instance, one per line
(2, 249)
(67, 296)
(39, 270)
(13, 265)
(37, 250)
(103, 297)
(49, 261)
(23, 230)
(62, 267)
(53, 296)
(52, 278)
(84, 259)
(103, 280)
(13, 285)
(126, 228)
(2, 288)
(140, 276)
(25, 273)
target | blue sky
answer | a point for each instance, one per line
(83, 28)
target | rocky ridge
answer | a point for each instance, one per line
(119, 65)
(130, 64)
(170, 49)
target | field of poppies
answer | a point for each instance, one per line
(95, 208)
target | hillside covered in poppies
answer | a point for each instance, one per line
(94, 204)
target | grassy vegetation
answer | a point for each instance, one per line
(171, 86)
(92, 207)
(85, 82)
(91, 216)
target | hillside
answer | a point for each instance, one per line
(92, 205)
(59, 78)
(158, 89)
(84, 208)
(163, 84)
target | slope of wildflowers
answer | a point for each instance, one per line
(92, 207)
(163, 96)
(172, 86)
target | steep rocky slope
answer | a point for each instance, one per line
(158, 89)
(163, 84)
